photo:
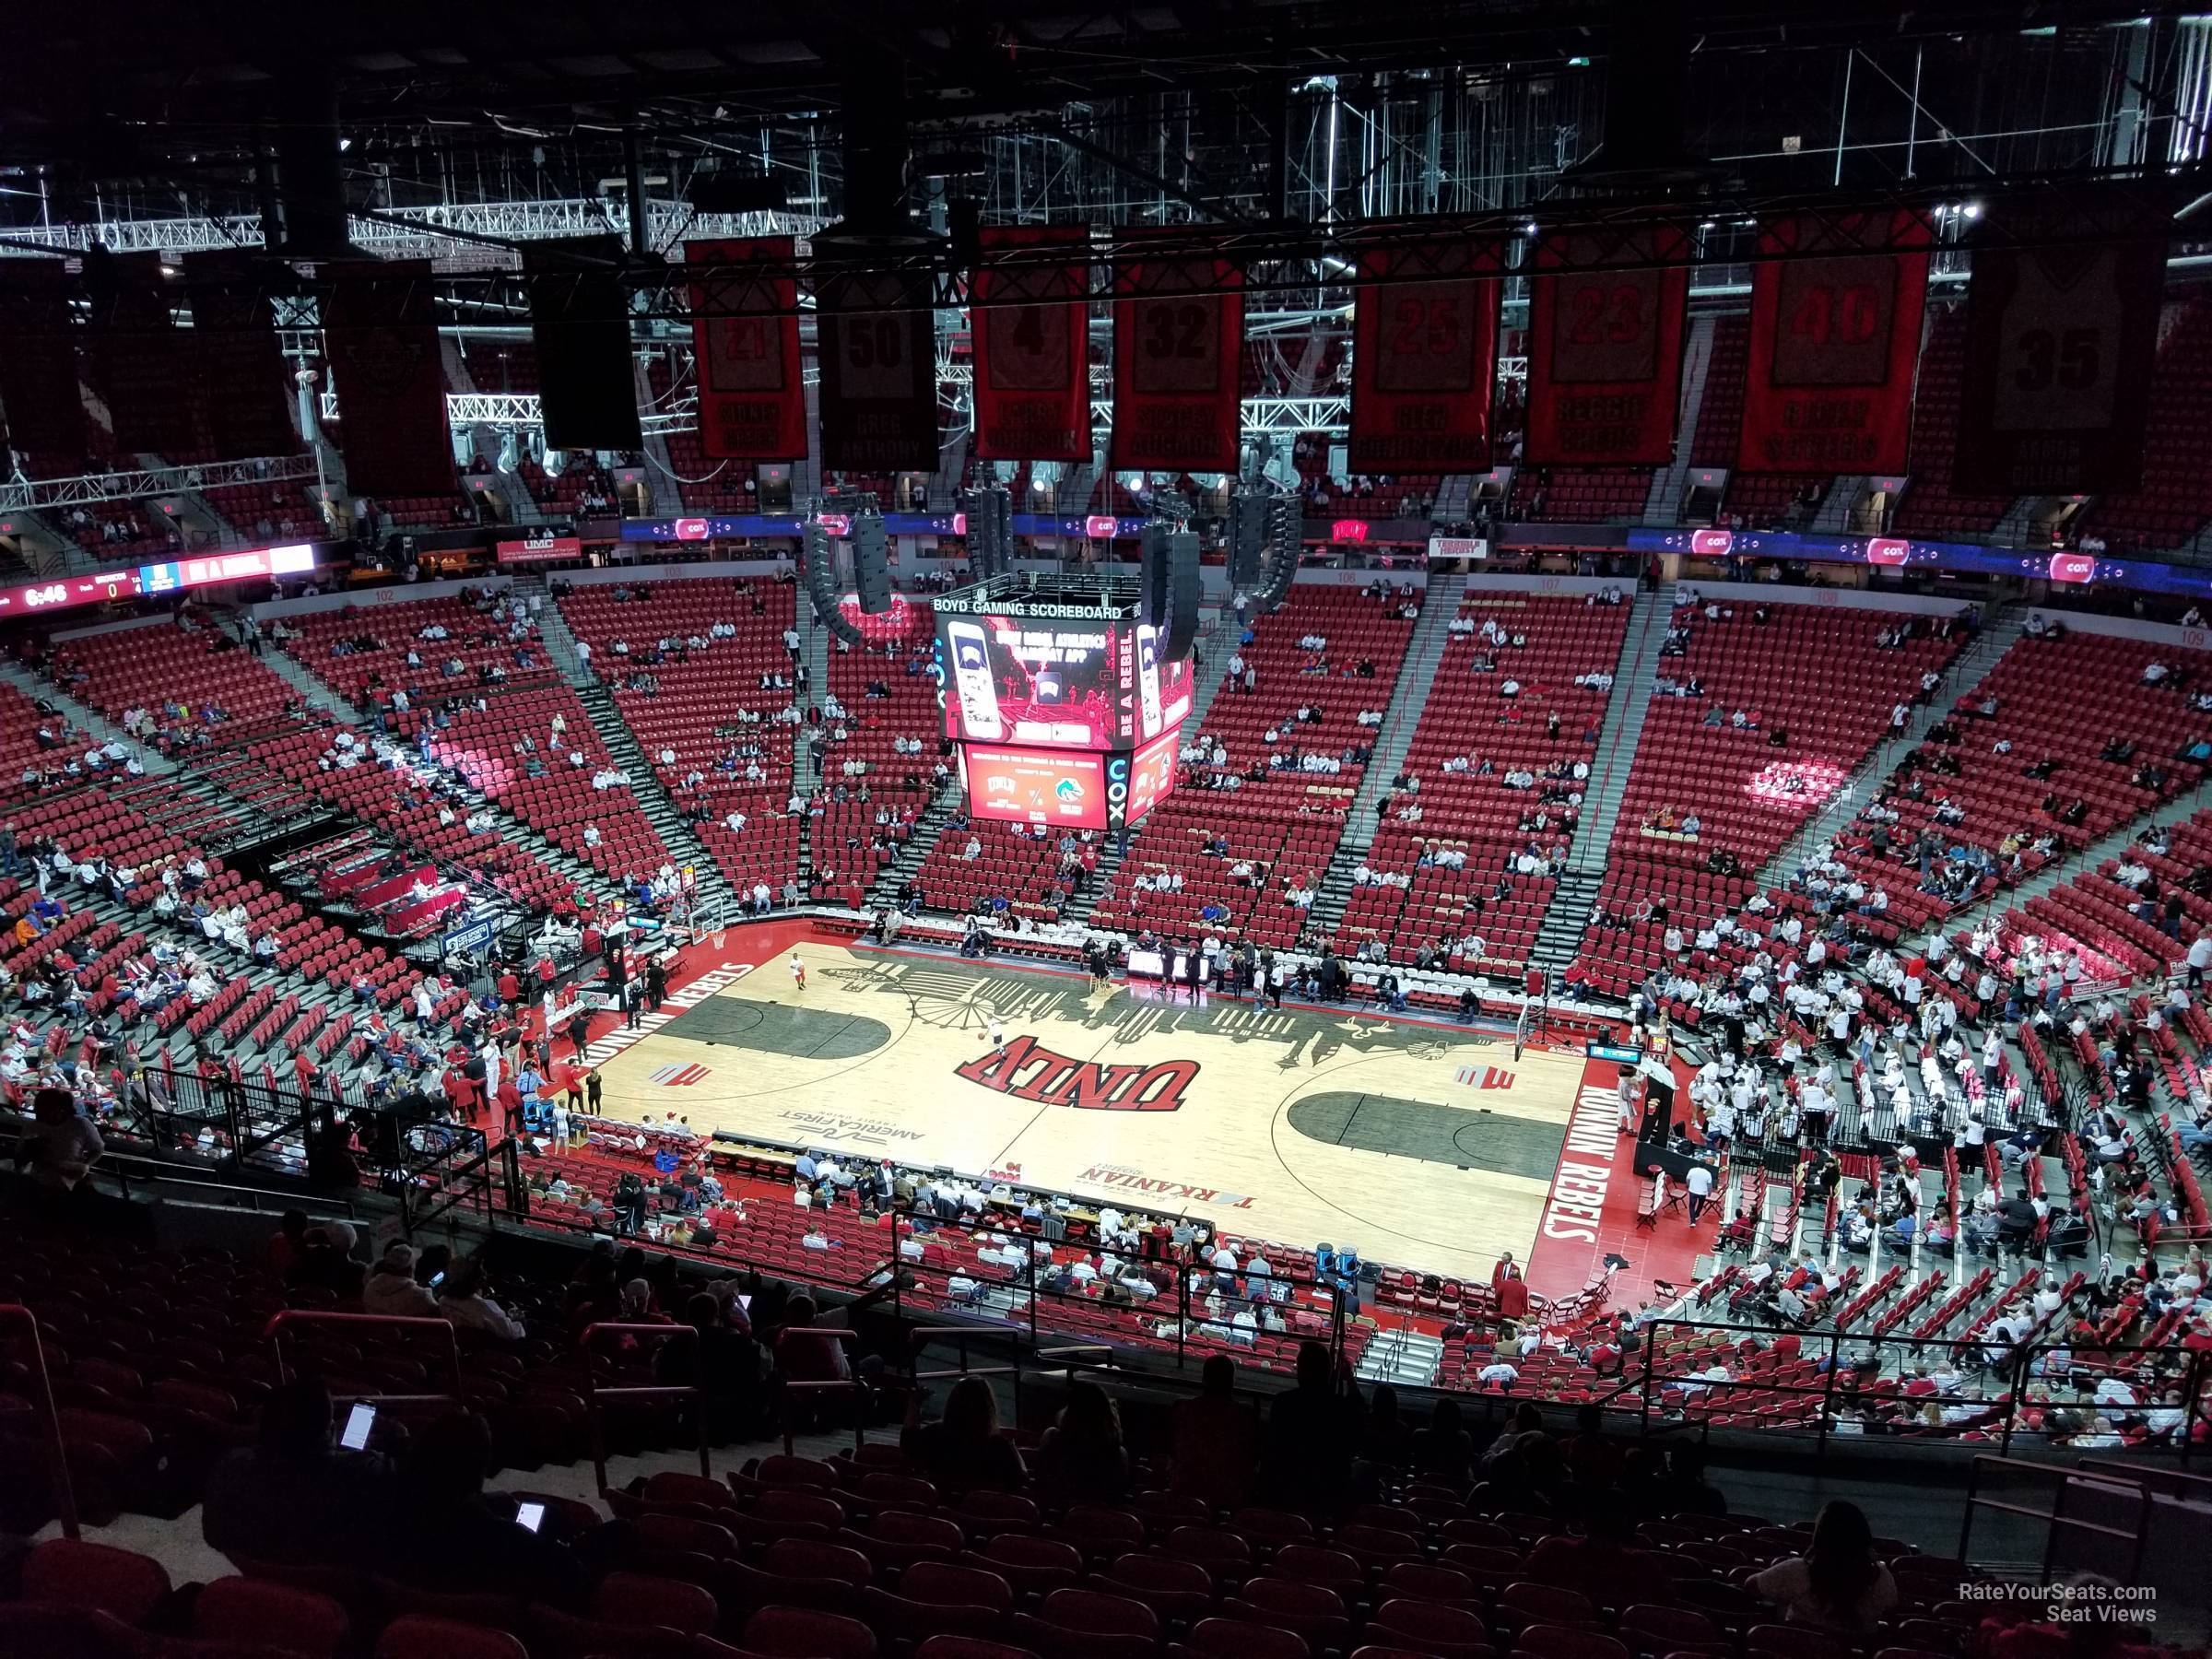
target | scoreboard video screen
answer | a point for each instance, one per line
(1151, 774)
(1058, 684)
(1059, 789)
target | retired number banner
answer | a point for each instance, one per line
(1030, 325)
(1178, 340)
(1836, 307)
(1604, 346)
(744, 340)
(2060, 344)
(1424, 357)
(878, 352)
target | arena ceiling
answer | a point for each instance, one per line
(215, 66)
(1177, 110)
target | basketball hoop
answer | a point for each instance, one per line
(719, 935)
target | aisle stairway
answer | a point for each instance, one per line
(288, 669)
(813, 652)
(1560, 937)
(1409, 696)
(1625, 710)
(553, 630)
(717, 897)
(885, 888)
(1404, 1359)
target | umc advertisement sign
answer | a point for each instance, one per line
(545, 548)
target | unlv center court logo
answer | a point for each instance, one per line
(1029, 1072)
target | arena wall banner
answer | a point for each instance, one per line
(1032, 374)
(1604, 346)
(1424, 357)
(2061, 341)
(137, 356)
(380, 329)
(39, 392)
(879, 351)
(236, 356)
(744, 338)
(1178, 352)
(1836, 306)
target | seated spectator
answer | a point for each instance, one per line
(1312, 1432)
(1216, 1440)
(966, 1448)
(1838, 1584)
(294, 1499)
(1387, 1441)
(1081, 1457)
(391, 1288)
(325, 1260)
(447, 1538)
(726, 1364)
(61, 1145)
(462, 1301)
(1444, 1452)
(805, 1352)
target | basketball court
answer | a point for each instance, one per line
(1411, 1141)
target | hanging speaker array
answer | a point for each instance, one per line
(1248, 533)
(871, 562)
(988, 513)
(817, 570)
(1281, 570)
(1170, 585)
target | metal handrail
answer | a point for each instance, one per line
(920, 1336)
(161, 1172)
(2055, 1517)
(14, 1314)
(593, 1393)
(828, 1385)
(274, 1331)
(2181, 1480)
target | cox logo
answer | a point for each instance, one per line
(1101, 526)
(959, 523)
(690, 529)
(1117, 781)
(2073, 567)
(837, 524)
(1887, 550)
(1711, 544)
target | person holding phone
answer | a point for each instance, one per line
(450, 1538)
(297, 1496)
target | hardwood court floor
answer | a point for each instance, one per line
(1428, 1147)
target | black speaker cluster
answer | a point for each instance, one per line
(817, 570)
(1171, 586)
(989, 515)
